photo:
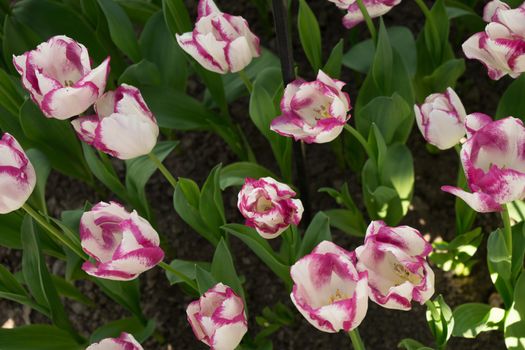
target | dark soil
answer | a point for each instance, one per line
(432, 212)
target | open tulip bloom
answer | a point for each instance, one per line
(220, 42)
(125, 342)
(123, 125)
(218, 318)
(123, 244)
(501, 47)
(494, 162)
(354, 16)
(17, 175)
(395, 260)
(313, 112)
(328, 290)
(59, 77)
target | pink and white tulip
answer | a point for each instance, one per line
(313, 112)
(125, 342)
(59, 77)
(395, 259)
(123, 244)
(268, 206)
(123, 125)
(220, 42)
(328, 290)
(218, 318)
(501, 47)
(494, 162)
(17, 175)
(354, 16)
(441, 119)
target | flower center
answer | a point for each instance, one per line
(322, 112)
(68, 83)
(337, 296)
(405, 275)
(263, 205)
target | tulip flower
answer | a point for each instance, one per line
(501, 47)
(220, 42)
(313, 112)
(441, 119)
(122, 244)
(218, 318)
(493, 159)
(125, 342)
(395, 259)
(17, 175)
(375, 8)
(123, 125)
(268, 206)
(328, 290)
(59, 77)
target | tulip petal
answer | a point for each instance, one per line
(475, 121)
(478, 201)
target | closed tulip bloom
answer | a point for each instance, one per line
(17, 175)
(375, 8)
(59, 77)
(125, 342)
(218, 318)
(220, 42)
(123, 125)
(268, 206)
(441, 119)
(313, 112)
(395, 259)
(494, 162)
(328, 290)
(122, 244)
(501, 47)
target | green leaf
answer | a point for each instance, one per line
(176, 16)
(383, 60)
(42, 169)
(143, 73)
(411, 344)
(500, 265)
(515, 321)
(335, 60)
(223, 268)
(130, 325)
(310, 35)
(472, 319)
(10, 230)
(187, 268)
(68, 290)
(235, 174)
(211, 207)
(138, 10)
(121, 29)
(126, 293)
(317, 231)
(512, 103)
(205, 280)
(441, 320)
(346, 221)
(41, 337)
(18, 38)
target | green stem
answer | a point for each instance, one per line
(368, 19)
(424, 8)
(52, 230)
(357, 342)
(180, 275)
(246, 80)
(163, 169)
(360, 138)
(457, 147)
(507, 228)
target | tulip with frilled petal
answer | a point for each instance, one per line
(328, 290)
(17, 175)
(125, 342)
(395, 259)
(59, 77)
(218, 318)
(123, 244)
(501, 47)
(313, 112)
(220, 42)
(441, 119)
(375, 8)
(123, 125)
(268, 206)
(493, 159)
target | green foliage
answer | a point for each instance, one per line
(440, 320)
(310, 35)
(473, 318)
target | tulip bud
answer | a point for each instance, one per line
(313, 112)
(220, 42)
(17, 175)
(501, 47)
(375, 8)
(493, 159)
(59, 77)
(125, 342)
(441, 119)
(328, 290)
(123, 125)
(218, 318)
(395, 259)
(268, 206)
(123, 244)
